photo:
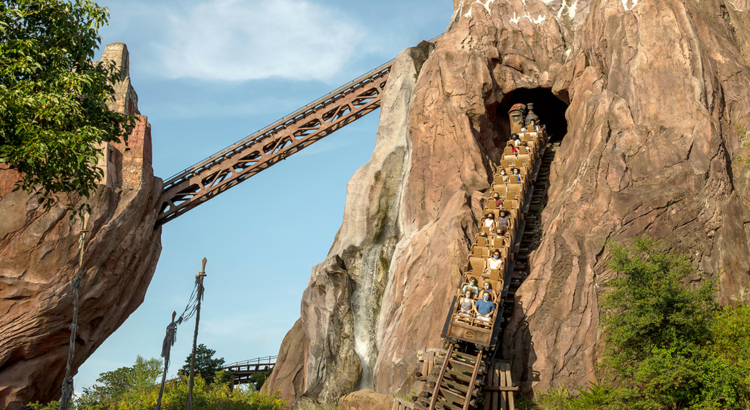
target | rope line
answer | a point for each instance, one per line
(67, 385)
(171, 337)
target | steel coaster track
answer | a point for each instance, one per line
(266, 147)
(227, 168)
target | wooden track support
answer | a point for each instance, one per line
(498, 394)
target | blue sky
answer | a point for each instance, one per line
(207, 74)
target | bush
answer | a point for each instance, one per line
(668, 343)
(205, 397)
(135, 388)
(205, 363)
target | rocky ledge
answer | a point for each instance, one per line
(39, 259)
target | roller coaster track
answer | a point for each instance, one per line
(454, 384)
(266, 147)
(456, 378)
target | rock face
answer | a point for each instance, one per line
(39, 259)
(651, 94)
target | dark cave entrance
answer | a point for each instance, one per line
(549, 108)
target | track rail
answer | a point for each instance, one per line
(454, 384)
(532, 233)
(243, 159)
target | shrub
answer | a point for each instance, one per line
(668, 343)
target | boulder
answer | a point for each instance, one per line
(366, 400)
(39, 254)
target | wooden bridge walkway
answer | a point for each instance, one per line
(242, 371)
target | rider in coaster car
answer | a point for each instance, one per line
(466, 304)
(516, 174)
(498, 200)
(533, 126)
(483, 308)
(502, 232)
(471, 287)
(487, 290)
(526, 146)
(504, 176)
(489, 221)
(494, 261)
(503, 220)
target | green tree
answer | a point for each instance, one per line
(668, 343)
(650, 306)
(113, 385)
(53, 96)
(258, 379)
(205, 363)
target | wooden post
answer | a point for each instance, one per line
(488, 403)
(200, 276)
(498, 381)
(509, 381)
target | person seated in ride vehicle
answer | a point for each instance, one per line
(483, 308)
(487, 290)
(516, 140)
(471, 286)
(533, 126)
(516, 175)
(498, 200)
(489, 221)
(504, 176)
(501, 231)
(494, 262)
(482, 234)
(526, 147)
(503, 220)
(466, 304)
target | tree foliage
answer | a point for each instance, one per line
(650, 306)
(53, 96)
(258, 380)
(668, 344)
(205, 397)
(113, 385)
(205, 363)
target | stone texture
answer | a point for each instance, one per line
(655, 91)
(366, 400)
(39, 259)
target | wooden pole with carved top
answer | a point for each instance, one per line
(199, 279)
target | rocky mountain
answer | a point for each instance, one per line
(39, 260)
(645, 98)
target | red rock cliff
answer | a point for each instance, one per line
(39, 259)
(653, 93)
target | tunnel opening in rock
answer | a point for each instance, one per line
(549, 108)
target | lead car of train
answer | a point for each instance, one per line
(513, 185)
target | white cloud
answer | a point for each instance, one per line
(232, 40)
